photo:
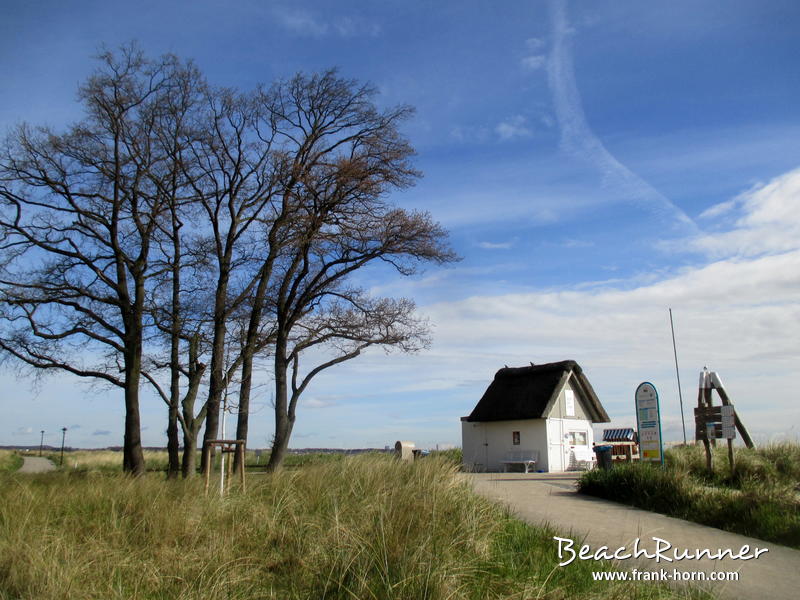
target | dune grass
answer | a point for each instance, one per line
(759, 499)
(157, 460)
(10, 460)
(106, 460)
(361, 527)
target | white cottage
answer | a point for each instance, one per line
(541, 412)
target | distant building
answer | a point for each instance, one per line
(544, 412)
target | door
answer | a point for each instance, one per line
(555, 445)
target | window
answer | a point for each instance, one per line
(576, 438)
(515, 438)
(569, 402)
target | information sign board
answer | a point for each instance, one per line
(648, 419)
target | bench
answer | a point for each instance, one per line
(582, 458)
(526, 458)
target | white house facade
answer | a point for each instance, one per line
(541, 412)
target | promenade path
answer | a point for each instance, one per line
(36, 464)
(550, 498)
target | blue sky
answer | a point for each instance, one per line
(595, 163)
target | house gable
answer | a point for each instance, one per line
(559, 405)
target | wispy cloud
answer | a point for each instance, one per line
(470, 134)
(578, 139)
(534, 62)
(100, 432)
(513, 128)
(495, 245)
(573, 243)
(306, 23)
(315, 402)
(718, 210)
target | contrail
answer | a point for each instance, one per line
(578, 139)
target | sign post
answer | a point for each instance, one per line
(648, 420)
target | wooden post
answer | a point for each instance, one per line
(229, 469)
(730, 457)
(207, 463)
(709, 460)
(241, 452)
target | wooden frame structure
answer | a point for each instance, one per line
(715, 422)
(226, 447)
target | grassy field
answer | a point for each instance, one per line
(760, 499)
(358, 528)
(9, 460)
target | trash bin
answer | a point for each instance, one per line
(603, 456)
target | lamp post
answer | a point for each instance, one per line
(63, 437)
(41, 443)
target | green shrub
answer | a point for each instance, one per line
(759, 499)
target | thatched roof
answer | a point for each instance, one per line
(529, 392)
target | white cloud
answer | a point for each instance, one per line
(738, 314)
(739, 317)
(766, 221)
(514, 127)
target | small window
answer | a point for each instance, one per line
(569, 402)
(515, 438)
(576, 438)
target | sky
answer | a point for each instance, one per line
(596, 164)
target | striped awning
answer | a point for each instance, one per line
(625, 434)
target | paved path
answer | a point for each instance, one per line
(36, 464)
(551, 498)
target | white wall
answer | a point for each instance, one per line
(486, 445)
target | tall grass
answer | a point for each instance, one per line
(10, 460)
(158, 460)
(363, 527)
(106, 460)
(759, 498)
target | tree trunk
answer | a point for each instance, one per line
(244, 406)
(217, 382)
(173, 446)
(189, 463)
(132, 456)
(283, 421)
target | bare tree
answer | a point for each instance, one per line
(79, 214)
(340, 157)
(186, 230)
